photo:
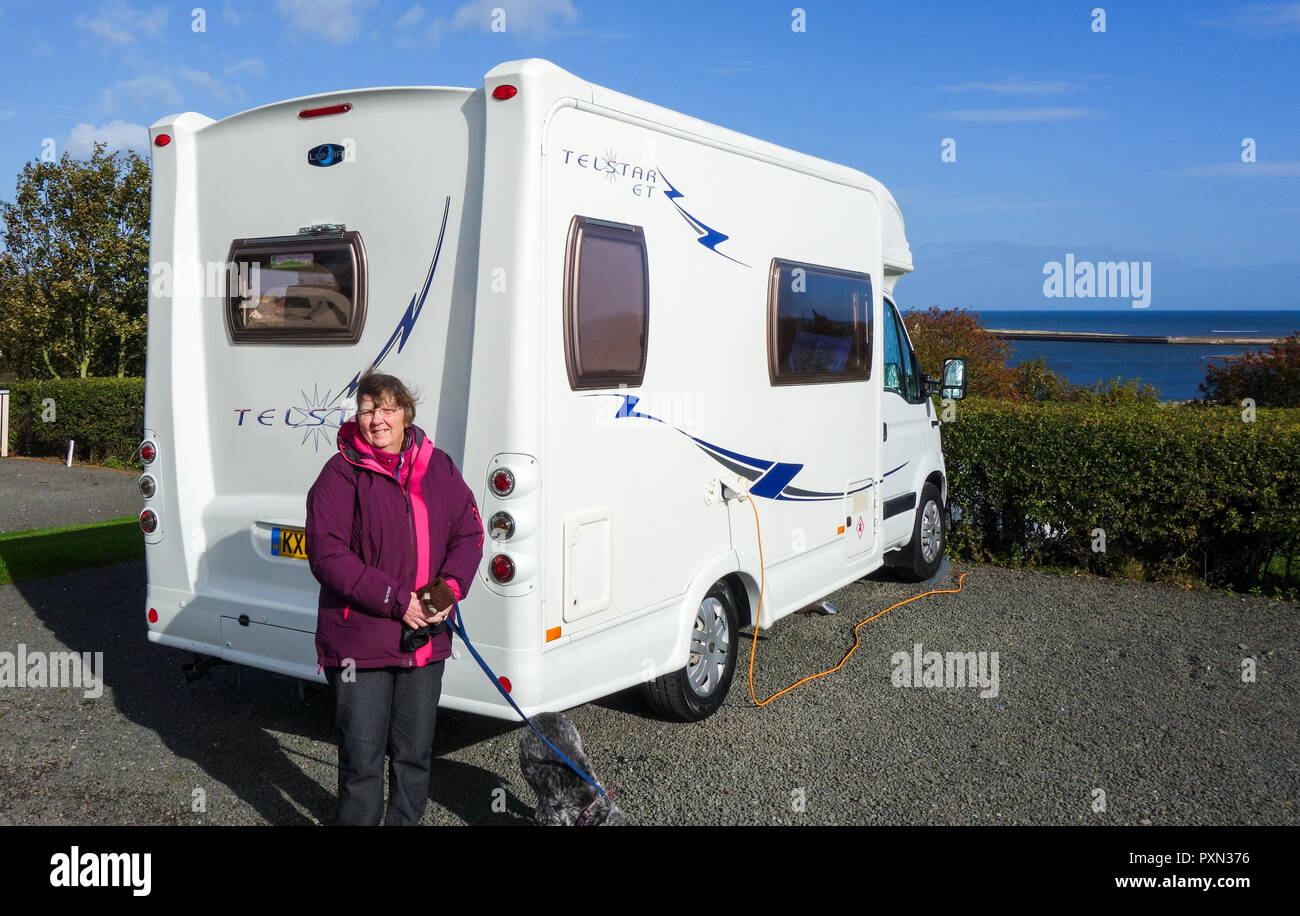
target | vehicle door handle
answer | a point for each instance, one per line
(886, 425)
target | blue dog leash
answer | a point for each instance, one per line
(458, 627)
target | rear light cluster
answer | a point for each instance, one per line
(148, 486)
(514, 481)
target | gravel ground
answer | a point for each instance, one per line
(1130, 688)
(43, 494)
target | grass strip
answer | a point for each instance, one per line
(45, 552)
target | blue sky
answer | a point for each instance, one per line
(1122, 144)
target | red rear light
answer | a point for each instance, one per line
(162, 140)
(153, 616)
(148, 452)
(327, 110)
(503, 482)
(504, 91)
(505, 682)
(503, 568)
(149, 521)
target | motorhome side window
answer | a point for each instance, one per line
(819, 324)
(296, 289)
(901, 373)
(606, 304)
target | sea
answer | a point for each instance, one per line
(1176, 370)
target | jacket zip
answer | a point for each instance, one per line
(410, 516)
(410, 525)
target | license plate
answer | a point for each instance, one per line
(289, 542)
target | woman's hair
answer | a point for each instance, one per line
(377, 384)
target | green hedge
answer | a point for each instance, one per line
(104, 415)
(1180, 492)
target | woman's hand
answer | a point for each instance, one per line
(415, 617)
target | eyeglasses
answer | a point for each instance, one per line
(385, 413)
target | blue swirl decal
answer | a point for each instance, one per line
(769, 479)
(710, 238)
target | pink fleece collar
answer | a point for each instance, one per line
(351, 432)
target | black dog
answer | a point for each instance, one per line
(563, 797)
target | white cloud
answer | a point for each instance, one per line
(233, 16)
(531, 18)
(334, 20)
(411, 18)
(120, 23)
(249, 66)
(117, 134)
(534, 17)
(1243, 170)
(143, 92)
(1016, 86)
(221, 91)
(1272, 17)
(1016, 115)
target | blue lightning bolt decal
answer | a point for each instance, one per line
(710, 238)
(413, 309)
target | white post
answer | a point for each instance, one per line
(4, 422)
(71, 444)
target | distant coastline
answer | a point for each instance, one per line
(1087, 346)
(1106, 337)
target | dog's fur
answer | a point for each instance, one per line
(562, 795)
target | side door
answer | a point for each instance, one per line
(907, 414)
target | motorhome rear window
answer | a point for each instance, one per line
(607, 304)
(305, 289)
(819, 324)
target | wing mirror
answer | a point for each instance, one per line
(954, 379)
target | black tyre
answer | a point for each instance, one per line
(929, 537)
(697, 690)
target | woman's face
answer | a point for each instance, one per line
(383, 426)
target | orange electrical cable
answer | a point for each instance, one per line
(753, 648)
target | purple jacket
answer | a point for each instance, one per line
(373, 537)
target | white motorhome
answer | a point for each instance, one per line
(622, 321)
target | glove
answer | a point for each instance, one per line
(435, 596)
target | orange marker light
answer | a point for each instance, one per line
(552, 634)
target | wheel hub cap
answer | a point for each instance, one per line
(710, 642)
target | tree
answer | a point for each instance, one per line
(1270, 377)
(937, 334)
(74, 278)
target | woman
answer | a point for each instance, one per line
(388, 515)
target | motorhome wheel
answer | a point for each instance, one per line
(697, 690)
(928, 537)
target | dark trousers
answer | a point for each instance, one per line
(378, 709)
